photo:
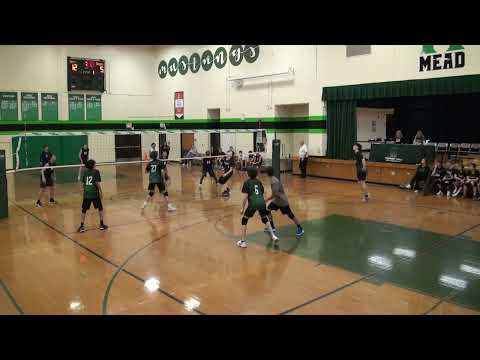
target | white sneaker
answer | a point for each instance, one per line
(242, 244)
(416, 191)
(144, 205)
(456, 193)
(274, 237)
(170, 207)
(408, 186)
(440, 193)
(449, 194)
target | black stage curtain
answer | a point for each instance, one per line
(341, 119)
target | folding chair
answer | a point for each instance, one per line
(464, 149)
(475, 149)
(453, 149)
(441, 149)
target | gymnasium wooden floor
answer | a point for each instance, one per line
(399, 254)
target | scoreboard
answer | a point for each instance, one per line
(86, 74)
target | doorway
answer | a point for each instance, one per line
(128, 147)
(213, 116)
(186, 141)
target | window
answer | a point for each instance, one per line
(355, 50)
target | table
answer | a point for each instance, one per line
(401, 153)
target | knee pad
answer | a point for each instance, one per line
(165, 194)
(290, 215)
(265, 219)
(244, 220)
(150, 193)
(221, 180)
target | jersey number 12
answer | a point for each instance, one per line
(89, 180)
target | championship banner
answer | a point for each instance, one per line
(179, 105)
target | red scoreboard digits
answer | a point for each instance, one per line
(86, 74)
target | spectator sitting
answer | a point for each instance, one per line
(190, 154)
(471, 182)
(435, 181)
(420, 178)
(241, 164)
(419, 138)
(257, 160)
(250, 158)
(399, 139)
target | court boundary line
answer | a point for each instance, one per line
(106, 294)
(11, 297)
(101, 256)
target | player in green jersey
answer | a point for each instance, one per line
(92, 193)
(254, 191)
(157, 176)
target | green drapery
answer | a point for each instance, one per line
(429, 87)
(341, 128)
(341, 104)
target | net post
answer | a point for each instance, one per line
(3, 186)
(276, 158)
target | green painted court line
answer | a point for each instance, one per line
(356, 245)
(12, 299)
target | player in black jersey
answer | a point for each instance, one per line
(83, 156)
(208, 168)
(47, 181)
(361, 166)
(226, 164)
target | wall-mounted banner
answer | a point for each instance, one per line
(207, 59)
(179, 105)
(432, 59)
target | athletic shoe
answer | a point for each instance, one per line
(408, 187)
(267, 231)
(170, 207)
(52, 202)
(81, 229)
(449, 194)
(457, 192)
(242, 244)
(103, 227)
(440, 193)
(416, 191)
(38, 204)
(274, 237)
(300, 232)
(225, 193)
(144, 205)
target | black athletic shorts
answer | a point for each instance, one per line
(161, 187)
(208, 171)
(97, 204)
(361, 175)
(224, 178)
(251, 211)
(48, 182)
(283, 209)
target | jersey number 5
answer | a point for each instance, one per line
(89, 180)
